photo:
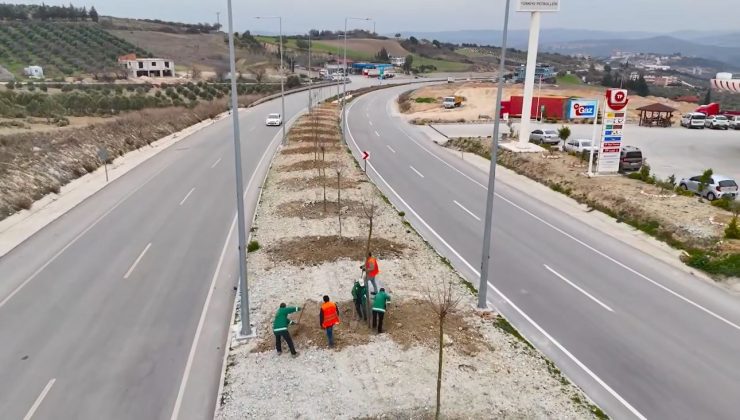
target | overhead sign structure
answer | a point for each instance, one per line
(615, 117)
(538, 6)
(579, 108)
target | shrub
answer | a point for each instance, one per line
(564, 133)
(723, 203)
(10, 85)
(253, 246)
(732, 231)
(292, 82)
(43, 88)
(425, 100)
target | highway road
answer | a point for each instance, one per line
(120, 308)
(643, 338)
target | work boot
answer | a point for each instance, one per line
(294, 354)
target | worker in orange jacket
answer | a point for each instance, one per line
(371, 270)
(328, 318)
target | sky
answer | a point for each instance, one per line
(393, 16)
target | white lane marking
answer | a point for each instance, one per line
(376, 133)
(580, 242)
(186, 197)
(466, 210)
(40, 399)
(542, 331)
(76, 238)
(370, 122)
(417, 172)
(390, 148)
(204, 311)
(133, 266)
(575, 286)
(215, 163)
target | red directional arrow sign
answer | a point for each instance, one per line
(365, 155)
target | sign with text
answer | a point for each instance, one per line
(615, 116)
(582, 109)
(538, 6)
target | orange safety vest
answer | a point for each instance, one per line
(374, 263)
(331, 317)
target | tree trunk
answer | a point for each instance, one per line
(369, 236)
(439, 365)
(339, 202)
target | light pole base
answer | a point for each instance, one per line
(240, 338)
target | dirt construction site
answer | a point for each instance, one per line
(310, 235)
(479, 100)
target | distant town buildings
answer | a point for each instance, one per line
(398, 61)
(34, 72)
(542, 71)
(147, 67)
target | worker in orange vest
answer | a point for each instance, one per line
(328, 318)
(371, 269)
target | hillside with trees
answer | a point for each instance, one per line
(62, 48)
(24, 12)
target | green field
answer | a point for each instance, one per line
(441, 65)
(569, 79)
(61, 48)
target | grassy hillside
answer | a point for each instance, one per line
(61, 48)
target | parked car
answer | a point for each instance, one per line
(693, 120)
(630, 159)
(450, 80)
(719, 186)
(733, 122)
(274, 120)
(544, 136)
(717, 122)
(579, 146)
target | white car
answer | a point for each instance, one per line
(579, 146)
(693, 120)
(274, 120)
(717, 121)
(734, 122)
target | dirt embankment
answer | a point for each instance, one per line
(307, 251)
(480, 99)
(35, 164)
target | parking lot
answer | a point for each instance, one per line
(674, 150)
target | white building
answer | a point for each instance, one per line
(34, 72)
(398, 61)
(149, 67)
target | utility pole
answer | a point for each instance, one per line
(246, 328)
(218, 19)
(487, 232)
(310, 80)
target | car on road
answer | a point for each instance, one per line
(733, 122)
(630, 159)
(274, 120)
(719, 186)
(544, 136)
(579, 146)
(693, 120)
(719, 122)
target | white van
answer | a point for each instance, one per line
(693, 120)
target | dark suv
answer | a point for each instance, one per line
(630, 159)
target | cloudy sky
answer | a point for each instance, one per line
(435, 15)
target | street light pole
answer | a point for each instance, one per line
(246, 328)
(282, 72)
(344, 79)
(487, 234)
(310, 80)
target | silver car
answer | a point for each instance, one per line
(717, 122)
(734, 122)
(718, 187)
(544, 136)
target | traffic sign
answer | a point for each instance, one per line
(365, 155)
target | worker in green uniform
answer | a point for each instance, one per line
(280, 328)
(379, 308)
(358, 296)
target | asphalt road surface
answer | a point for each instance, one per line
(669, 151)
(119, 309)
(643, 338)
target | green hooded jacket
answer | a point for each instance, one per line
(281, 318)
(359, 291)
(380, 301)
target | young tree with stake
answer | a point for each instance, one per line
(442, 300)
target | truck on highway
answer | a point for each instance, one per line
(452, 101)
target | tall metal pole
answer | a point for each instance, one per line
(282, 81)
(310, 81)
(529, 71)
(344, 85)
(241, 226)
(487, 234)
